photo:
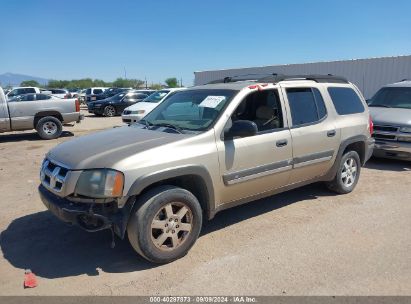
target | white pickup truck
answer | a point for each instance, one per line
(36, 111)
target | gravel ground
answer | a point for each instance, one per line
(304, 242)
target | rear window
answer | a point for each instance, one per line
(97, 91)
(346, 101)
(29, 90)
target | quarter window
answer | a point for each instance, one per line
(345, 100)
(306, 104)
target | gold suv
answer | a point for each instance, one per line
(206, 149)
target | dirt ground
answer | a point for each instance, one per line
(303, 242)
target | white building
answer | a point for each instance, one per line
(368, 74)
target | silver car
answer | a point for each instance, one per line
(391, 113)
(206, 149)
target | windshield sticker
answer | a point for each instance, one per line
(211, 101)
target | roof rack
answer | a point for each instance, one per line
(275, 78)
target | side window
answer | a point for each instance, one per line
(30, 97)
(88, 91)
(345, 100)
(97, 91)
(306, 104)
(263, 108)
(42, 96)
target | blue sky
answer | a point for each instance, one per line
(62, 39)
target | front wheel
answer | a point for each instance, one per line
(49, 127)
(165, 224)
(347, 175)
(109, 111)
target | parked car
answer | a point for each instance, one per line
(61, 93)
(111, 92)
(90, 94)
(391, 112)
(81, 96)
(206, 149)
(114, 105)
(136, 112)
(22, 90)
(42, 112)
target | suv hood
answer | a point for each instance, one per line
(104, 149)
(391, 116)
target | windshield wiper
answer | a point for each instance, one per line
(178, 129)
(379, 105)
(146, 123)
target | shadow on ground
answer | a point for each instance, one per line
(28, 137)
(51, 249)
(386, 164)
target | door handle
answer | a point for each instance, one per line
(331, 133)
(281, 143)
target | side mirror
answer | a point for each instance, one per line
(241, 128)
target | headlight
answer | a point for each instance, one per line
(405, 129)
(138, 112)
(100, 183)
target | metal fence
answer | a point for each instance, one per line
(368, 74)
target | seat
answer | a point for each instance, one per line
(266, 118)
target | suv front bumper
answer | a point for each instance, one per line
(393, 149)
(90, 217)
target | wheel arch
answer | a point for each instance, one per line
(40, 115)
(356, 143)
(195, 179)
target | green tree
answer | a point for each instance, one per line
(127, 83)
(172, 82)
(156, 86)
(29, 83)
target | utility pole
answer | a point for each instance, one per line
(181, 82)
(145, 79)
(125, 73)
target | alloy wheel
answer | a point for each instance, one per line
(349, 172)
(171, 226)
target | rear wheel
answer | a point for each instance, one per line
(49, 127)
(347, 175)
(109, 111)
(166, 224)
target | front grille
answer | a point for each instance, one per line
(126, 112)
(53, 176)
(386, 128)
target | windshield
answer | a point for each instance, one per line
(117, 97)
(157, 96)
(194, 110)
(392, 97)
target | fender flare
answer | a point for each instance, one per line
(344, 144)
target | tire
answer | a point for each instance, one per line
(49, 127)
(157, 232)
(109, 111)
(347, 175)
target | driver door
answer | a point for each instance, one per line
(260, 163)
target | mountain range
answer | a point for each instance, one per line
(15, 79)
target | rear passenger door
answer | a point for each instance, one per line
(313, 130)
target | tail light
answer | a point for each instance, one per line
(371, 126)
(77, 105)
